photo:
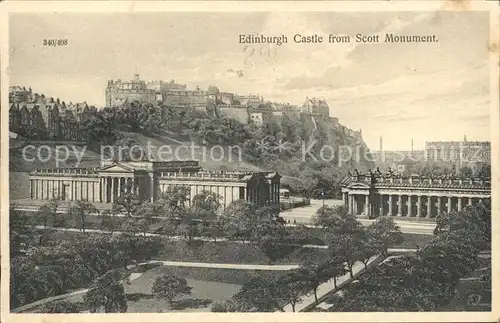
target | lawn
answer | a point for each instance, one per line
(208, 285)
(412, 240)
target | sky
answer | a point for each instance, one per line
(400, 92)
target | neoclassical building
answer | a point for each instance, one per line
(148, 179)
(377, 194)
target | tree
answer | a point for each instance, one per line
(382, 234)
(230, 305)
(291, 289)
(175, 199)
(107, 293)
(335, 268)
(127, 202)
(203, 211)
(240, 219)
(131, 226)
(347, 247)
(59, 307)
(108, 222)
(205, 205)
(259, 294)
(47, 211)
(170, 286)
(313, 275)
(474, 222)
(269, 235)
(79, 212)
(21, 230)
(299, 234)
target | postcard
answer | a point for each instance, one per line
(250, 161)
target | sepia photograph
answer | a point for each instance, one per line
(250, 159)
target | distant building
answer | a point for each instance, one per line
(315, 106)
(19, 94)
(463, 152)
(148, 179)
(45, 118)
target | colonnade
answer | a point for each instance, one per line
(113, 187)
(409, 205)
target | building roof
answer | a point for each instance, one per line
(391, 180)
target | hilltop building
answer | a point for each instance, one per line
(148, 179)
(315, 106)
(133, 90)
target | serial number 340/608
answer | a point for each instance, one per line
(55, 42)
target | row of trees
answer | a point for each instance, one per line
(426, 280)
(348, 242)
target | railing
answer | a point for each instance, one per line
(417, 180)
(62, 171)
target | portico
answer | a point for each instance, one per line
(377, 194)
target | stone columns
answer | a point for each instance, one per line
(400, 205)
(349, 203)
(429, 206)
(367, 204)
(449, 204)
(112, 189)
(102, 187)
(381, 212)
(152, 190)
(459, 203)
(390, 205)
(470, 200)
(119, 190)
(439, 202)
(410, 211)
(419, 206)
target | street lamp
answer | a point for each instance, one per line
(323, 196)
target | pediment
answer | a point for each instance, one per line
(117, 168)
(357, 185)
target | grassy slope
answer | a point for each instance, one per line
(209, 159)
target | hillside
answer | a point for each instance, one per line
(175, 149)
(310, 174)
